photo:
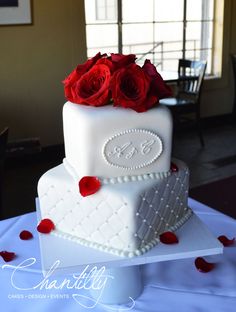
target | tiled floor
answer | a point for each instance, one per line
(214, 162)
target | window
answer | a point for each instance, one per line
(105, 10)
(162, 31)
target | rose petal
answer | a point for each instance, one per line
(173, 167)
(203, 266)
(89, 185)
(45, 226)
(25, 235)
(169, 238)
(7, 256)
(226, 241)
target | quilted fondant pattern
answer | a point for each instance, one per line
(162, 206)
(125, 217)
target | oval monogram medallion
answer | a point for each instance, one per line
(132, 149)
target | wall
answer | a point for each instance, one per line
(218, 94)
(34, 59)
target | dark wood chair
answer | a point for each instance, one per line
(3, 145)
(233, 59)
(186, 105)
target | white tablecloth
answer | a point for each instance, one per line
(169, 286)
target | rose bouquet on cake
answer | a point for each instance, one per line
(117, 80)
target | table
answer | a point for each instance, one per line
(169, 286)
(169, 76)
(173, 77)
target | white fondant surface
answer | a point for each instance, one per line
(123, 218)
(110, 141)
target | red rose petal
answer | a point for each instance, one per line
(203, 266)
(89, 185)
(169, 238)
(226, 241)
(173, 167)
(45, 226)
(7, 256)
(25, 235)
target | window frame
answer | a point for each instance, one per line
(213, 71)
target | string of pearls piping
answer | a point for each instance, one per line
(122, 179)
(118, 252)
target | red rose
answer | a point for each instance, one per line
(130, 88)
(69, 83)
(75, 75)
(117, 61)
(158, 86)
(93, 87)
(83, 68)
(105, 61)
(120, 60)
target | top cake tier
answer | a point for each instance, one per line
(110, 142)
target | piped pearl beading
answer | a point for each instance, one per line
(120, 179)
(124, 253)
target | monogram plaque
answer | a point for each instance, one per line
(132, 149)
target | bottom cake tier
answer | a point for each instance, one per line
(124, 217)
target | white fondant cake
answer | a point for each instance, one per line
(124, 218)
(130, 154)
(110, 142)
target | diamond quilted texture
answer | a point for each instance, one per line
(167, 201)
(116, 241)
(124, 216)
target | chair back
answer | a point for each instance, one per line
(191, 74)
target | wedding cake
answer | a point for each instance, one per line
(117, 189)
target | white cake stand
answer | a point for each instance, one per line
(123, 278)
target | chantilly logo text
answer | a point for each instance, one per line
(89, 279)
